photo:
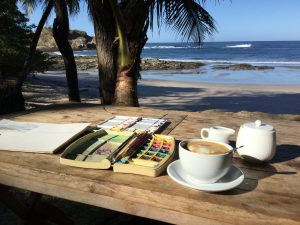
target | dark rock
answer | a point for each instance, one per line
(243, 66)
(157, 64)
(90, 63)
(73, 34)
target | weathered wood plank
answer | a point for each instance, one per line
(174, 119)
(246, 205)
(270, 193)
(51, 162)
(190, 203)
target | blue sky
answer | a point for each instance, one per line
(236, 20)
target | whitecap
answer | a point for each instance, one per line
(239, 46)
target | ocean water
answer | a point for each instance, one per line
(284, 56)
(260, 52)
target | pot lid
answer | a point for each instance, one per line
(258, 125)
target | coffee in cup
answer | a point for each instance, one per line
(205, 147)
(204, 161)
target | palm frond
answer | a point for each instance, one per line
(30, 5)
(73, 6)
(92, 5)
(187, 17)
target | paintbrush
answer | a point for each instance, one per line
(118, 154)
(122, 147)
(133, 147)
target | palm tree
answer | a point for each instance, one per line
(132, 20)
(105, 31)
(60, 34)
(121, 33)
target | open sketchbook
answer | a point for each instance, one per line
(37, 137)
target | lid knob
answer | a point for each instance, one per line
(257, 123)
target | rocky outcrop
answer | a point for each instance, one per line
(243, 66)
(92, 43)
(90, 63)
(46, 41)
(78, 40)
(157, 64)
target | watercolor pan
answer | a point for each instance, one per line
(133, 124)
(151, 159)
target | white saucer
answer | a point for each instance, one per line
(232, 179)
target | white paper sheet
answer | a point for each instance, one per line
(37, 137)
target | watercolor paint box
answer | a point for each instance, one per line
(151, 159)
(133, 124)
(128, 152)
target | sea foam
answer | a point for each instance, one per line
(239, 46)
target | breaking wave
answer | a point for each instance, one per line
(239, 46)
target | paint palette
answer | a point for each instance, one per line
(133, 124)
(129, 144)
(95, 150)
(150, 159)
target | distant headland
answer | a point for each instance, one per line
(78, 39)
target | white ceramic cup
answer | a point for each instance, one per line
(217, 133)
(204, 168)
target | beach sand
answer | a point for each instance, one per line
(50, 87)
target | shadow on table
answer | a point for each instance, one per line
(284, 153)
(252, 176)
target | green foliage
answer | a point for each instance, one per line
(187, 17)
(15, 39)
(41, 62)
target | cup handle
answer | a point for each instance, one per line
(203, 131)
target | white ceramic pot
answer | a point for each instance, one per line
(204, 168)
(217, 133)
(258, 140)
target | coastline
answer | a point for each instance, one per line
(50, 87)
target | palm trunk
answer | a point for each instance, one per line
(126, 89)
(126, 86)
(105, 30)
(60, 34)
(136, 25)
(35, 39)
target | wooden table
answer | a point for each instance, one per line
(270, 194)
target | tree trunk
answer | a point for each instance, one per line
(136, 14)
(105, 30)
(60, 34)
(35, 39)
(126, 89)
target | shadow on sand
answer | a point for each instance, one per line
(182, 98)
